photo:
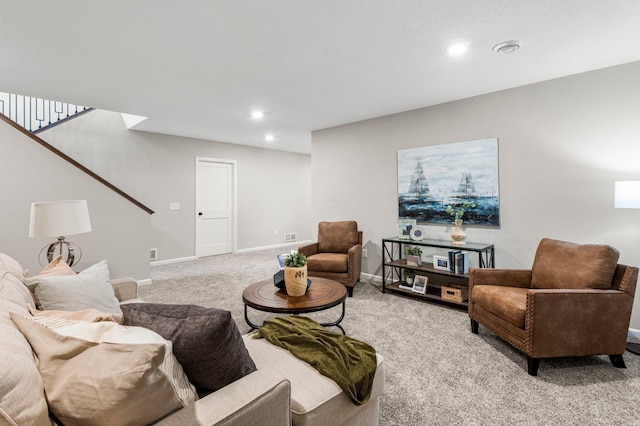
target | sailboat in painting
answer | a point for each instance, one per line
(419, 187)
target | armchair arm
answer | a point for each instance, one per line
(355, 263)
(577, 321)
(262, 397)
(308, 250)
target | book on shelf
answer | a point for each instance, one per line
(458, 262)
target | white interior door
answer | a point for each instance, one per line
(215, 212)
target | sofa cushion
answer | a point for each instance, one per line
(315, 399)
(560, 264)
(90, 289)
(206, 341)
(105, 373)
(22, 400)
(337, 237)
(328, 262)
(508, 303)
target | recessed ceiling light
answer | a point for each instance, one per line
(458, 49)
(257, 115)
(269, 138)
(506, 46)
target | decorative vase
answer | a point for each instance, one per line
(295, 280)
(457, 235)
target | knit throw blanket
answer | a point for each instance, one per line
(349, 362)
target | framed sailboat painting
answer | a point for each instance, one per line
(433, 177)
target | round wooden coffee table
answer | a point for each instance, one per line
(322, 294)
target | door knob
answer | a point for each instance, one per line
(199, 213)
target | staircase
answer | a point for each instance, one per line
(35, 114)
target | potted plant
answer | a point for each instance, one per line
(409, 275)
(414, 254)
(295, 274)
(457, 235)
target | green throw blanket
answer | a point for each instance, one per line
(349, 362)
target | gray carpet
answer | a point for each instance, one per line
(437, 371)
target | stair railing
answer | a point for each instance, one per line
(36, 114)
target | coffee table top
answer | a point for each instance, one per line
(322, 294)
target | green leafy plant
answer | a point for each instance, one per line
(458, 211)
(408, 273)
(295, 260)
(414, 251)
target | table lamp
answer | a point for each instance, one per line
(57, 219)
(627, 196)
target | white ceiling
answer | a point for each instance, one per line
(198, 68)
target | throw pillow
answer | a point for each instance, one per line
(90, 315)
(104, 373)
(90, 289)
(206, 341)
(57, 267)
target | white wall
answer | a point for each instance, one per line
(274, 187)
(29, 172)
(562, 145)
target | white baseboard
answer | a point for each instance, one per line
(371, 278)
(634, 332)
(169, 261)
(144, 282)
(294, 244)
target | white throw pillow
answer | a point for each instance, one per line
(90, 289)
(104, 373)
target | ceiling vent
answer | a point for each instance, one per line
(506, 47)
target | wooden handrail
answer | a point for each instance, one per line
(75, 163)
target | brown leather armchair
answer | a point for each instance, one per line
(338, 253)
(576, 300)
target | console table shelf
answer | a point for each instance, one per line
(394, 262)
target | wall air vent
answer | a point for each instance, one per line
(290, 237)
(153, 254)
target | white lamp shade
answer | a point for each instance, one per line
(59, 218)
(627, 194)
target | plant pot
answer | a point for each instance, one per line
(409, 280)
(457, 235)
(295, 280)
(413, 260)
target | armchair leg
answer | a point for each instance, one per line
(617, 361)
(350, 291)
(532, 365)
(474, 327)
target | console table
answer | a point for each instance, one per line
(394, 262)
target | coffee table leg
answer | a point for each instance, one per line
(334, 324)
(249, 323)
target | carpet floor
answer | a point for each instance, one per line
(437, 371)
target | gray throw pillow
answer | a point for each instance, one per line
(206, 341)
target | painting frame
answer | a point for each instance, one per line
(405, 226)
(430, 178)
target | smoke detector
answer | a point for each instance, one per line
(506, 47)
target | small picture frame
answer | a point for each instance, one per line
(441, 262)
(405, 226)
(420, 284)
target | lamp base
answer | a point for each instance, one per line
(65, 249)
(634, 348)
